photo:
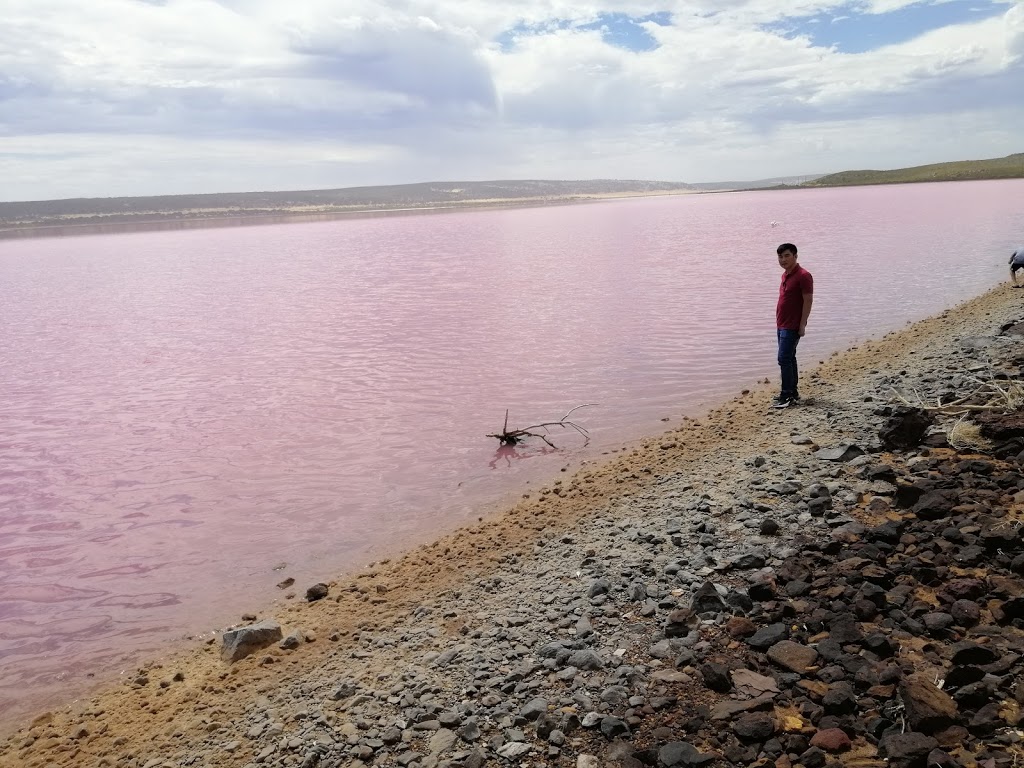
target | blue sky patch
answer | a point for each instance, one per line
(618, 29)
(849, 30)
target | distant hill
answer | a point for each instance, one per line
(120, 210)
(1009, 167)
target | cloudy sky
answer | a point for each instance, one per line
(104, 98)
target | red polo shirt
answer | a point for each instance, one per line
(791, 298)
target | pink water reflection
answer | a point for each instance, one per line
(180, 412)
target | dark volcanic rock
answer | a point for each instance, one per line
(840, 699)
(768, 636)
(754, 726)
(959, 676)
(880, 645)
(1001, 426)
(793, 569)
(907, 750)
(585, 659)
(939, 759)
(845, 629)
(683, 753)
(1009, 611)
(749, 561)
(965, 589)
(937, 622)
(966, 613)
(986, 719)
(613, 728)
(904, 429)
(316, 592)
(680, 622)
(934, 505)
(716, 677)
(928, 708)
(707, 600)
(968, 652)
(973, 695)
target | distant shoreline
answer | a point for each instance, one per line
(100, 225)
(73, 224)
(102, 215)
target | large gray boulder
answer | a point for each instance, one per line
(243, 641)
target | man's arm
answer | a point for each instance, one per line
(808, 300)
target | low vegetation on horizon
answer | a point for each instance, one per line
(27, 218)
(1009, 167)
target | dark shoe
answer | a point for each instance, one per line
(783, 402)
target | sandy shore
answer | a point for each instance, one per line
(430, 631)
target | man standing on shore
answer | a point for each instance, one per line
(795, 296)
(1016, 262)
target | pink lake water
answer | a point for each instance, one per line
(183, 412)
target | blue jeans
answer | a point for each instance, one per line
(787, 361)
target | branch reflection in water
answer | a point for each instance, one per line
(519, 451)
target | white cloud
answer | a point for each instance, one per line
(130, 97)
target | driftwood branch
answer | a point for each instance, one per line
(514, 436)
(992, 397)
(986, 396)
(956, 408)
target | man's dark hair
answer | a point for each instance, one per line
(786, 247)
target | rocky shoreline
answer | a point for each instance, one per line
(833, 584)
